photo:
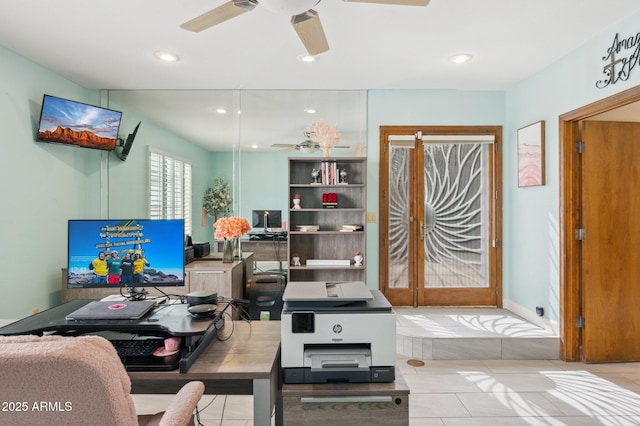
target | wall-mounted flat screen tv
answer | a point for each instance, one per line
(74, 123)
(125, 253)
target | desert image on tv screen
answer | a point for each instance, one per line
(75, 123)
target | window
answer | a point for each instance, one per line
(169, 188)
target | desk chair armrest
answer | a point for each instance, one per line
(180, 411)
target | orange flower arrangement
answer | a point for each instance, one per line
(231, 227)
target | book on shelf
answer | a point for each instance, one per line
(352, 228)
(328, 262)
(329, 172)
(307, 228)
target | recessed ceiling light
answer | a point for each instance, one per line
(221, 110)
(167, 56)
(304, 57)
(310, 110)
(462, 58)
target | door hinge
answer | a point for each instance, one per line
(580, 234)
(580, 322)
(580, 147)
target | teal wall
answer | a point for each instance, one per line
(45, 185)
(418, 107)
(531, 219)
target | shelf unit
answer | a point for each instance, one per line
(328, 242)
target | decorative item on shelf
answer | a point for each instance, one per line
(358, 259)
(324, 135)
(295, 259)
(315, 174)
(217, 199)
(343, 177)
(329, 200)
(329, 172)
(351, 228)
(231, 229)
(296, 202)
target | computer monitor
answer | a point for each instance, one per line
(105, 253)
(267, 219)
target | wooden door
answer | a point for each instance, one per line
(440, 215)
(610, 267)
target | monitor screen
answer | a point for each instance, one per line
(73, 123)
(273, 219)
(125, 253)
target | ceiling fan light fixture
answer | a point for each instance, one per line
(308, 149)
(288, 7)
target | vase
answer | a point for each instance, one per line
(326, 151)
(227, 251)
(237, 248)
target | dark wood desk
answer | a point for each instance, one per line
(248, 363)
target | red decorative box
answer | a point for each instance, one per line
(329, 200)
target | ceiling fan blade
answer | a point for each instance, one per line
(395, 2)
(283, 145)
(309, 29)
(341, 146)
(229, 10)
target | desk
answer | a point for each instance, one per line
(245, 364)
(248, 363)
(264, 250)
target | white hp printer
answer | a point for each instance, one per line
(337, 332)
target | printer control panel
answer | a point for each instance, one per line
(303, 322)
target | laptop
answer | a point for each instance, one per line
(112, 310)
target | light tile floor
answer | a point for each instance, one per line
(489, 392)
(492, 392)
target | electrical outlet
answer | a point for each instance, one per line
(371, 217)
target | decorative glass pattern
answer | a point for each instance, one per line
(456, 217)
(398, 217)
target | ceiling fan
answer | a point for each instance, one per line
(307, 146)
(305, 21)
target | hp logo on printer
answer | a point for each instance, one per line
(337, 328)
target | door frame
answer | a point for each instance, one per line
(495, 226)
(570, 297)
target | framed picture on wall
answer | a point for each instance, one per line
(531, 155)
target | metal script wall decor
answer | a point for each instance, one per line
(621, 58)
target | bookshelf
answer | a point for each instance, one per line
(329, 228)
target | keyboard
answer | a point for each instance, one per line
(136, 347)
